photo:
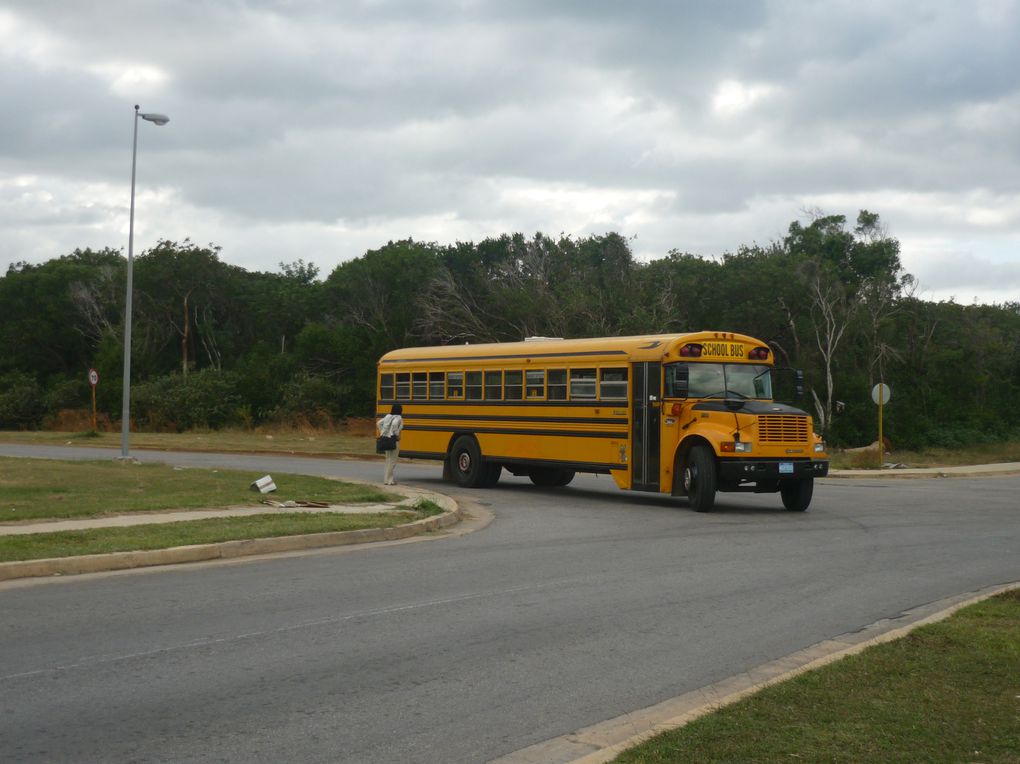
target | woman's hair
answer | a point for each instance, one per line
(397, 409)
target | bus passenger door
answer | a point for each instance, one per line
(646, 400)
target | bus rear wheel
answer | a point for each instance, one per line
(797, 494)
(491, 474)
(699, 479)
(467, 466)
(551, 477)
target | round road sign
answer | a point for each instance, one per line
(93, 377)
(880, 393)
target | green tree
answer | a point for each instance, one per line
(42, 330)
(179, 295)
(846, 273)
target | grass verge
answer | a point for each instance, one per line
(999, 453)
(32, 489)
(38, 546)
(947, 692)
(241, 441)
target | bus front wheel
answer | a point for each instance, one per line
(797, 494)
(699, 479)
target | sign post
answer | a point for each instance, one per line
(93, 381)
(880, 394)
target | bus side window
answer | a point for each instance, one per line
(437, 385)
(474, 385)
(514, 381)
(420, 385)
(404, 386)
(582, 384)
(613, 384)
(535, 383)
(557, 384)
(455, 384)
(677, 375)
(386, 387)
(493, 385)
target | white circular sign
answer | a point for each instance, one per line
(93, 377)
(880, 393)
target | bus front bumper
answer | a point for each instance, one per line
(756, 470)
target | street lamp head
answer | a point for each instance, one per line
(157, 119)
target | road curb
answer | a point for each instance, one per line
(926, 473)
(225, 550)
(603, 742)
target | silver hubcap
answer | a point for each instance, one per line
(689, 477)
(464, 461)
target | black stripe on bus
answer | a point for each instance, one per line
(617, 403)
(578, 466)
(565, 354)
(440, 455)
(620, 435)
(495, 418)
(596, 467)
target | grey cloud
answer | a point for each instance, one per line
(307, 113)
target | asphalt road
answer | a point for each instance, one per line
(573, 606)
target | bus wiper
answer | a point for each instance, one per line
(727, 394)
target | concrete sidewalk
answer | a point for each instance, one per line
(969, 470)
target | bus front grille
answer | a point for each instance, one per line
(782, 428)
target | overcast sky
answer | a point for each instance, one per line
(320, 129)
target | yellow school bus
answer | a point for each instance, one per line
(684, 414)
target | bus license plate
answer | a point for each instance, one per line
(785, 468)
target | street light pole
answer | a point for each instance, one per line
(125, 413)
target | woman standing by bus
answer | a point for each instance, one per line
(390, 427)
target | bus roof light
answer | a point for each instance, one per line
(690, 350)
(758, 354)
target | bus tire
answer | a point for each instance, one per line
(699, 479)
(551, 477)
(797, 494)
(490, 474)
(466, 464)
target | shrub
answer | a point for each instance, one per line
(63, 393)
(203, 399)
(312, 400)
(21, 401)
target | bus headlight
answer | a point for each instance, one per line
(735, 447)
(820, 447)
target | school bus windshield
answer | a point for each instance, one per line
(718, 380)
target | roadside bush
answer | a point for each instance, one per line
(261, 376)
(203, 399)
(312, 401)
(21, 402)
(63, 393)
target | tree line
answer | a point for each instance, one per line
(215, 345)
